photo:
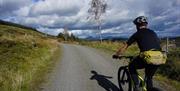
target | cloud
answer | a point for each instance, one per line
(51, 16)
(59, 7)
(51, 31)
(8, 6)
(23, 12)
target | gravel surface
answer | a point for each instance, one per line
(73, 71)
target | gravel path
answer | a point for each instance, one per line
(73, 71)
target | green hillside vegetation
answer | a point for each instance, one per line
(24, 27)
(16, 25)
(172, 67)
(169, 73)
(177, 41)
(25, 56)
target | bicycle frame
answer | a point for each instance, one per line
(142, 81)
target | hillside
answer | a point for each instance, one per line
(25, 56)
(23, 27)
(15, 25)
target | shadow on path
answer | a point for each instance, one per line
(104, 82)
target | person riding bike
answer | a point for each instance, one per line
(146, 40)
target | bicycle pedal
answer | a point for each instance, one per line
(141, 84)
(123, 82)
(126, 80)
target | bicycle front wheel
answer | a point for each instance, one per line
(124, 79)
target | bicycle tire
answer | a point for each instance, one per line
(122, 74)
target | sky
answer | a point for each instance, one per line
(51, 16)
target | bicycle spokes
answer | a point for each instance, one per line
(124, 79)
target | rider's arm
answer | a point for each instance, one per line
(131, 40)
(122, 49)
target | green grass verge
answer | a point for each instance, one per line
(171, 85)
(112, 47)
(25, 57)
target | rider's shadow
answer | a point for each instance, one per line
(104, 82)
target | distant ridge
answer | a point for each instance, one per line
(16, 25)
(109, 38)
(2, 22)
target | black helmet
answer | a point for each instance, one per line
(94, 72)
(140, 20)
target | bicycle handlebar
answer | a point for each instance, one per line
(127, 57)
(120, 57)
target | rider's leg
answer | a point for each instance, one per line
(149, 72)
(137, 63)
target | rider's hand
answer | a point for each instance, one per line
(115, 56)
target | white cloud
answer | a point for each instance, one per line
(59, 7)
(24, 11)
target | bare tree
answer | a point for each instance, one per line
(98, 7)
(66, 33)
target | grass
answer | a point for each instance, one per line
(170, 72)
(25, 56)
(112, 47)
(171, 85)
(172, 67)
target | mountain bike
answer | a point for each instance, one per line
(124, 77)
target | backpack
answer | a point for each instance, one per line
(154, 57)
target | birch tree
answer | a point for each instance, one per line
(97, 9)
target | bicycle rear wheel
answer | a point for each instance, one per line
(124, 79)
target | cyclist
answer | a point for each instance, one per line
(146, 40)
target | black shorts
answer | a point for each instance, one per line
(139, 63)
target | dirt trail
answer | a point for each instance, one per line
(73, 72)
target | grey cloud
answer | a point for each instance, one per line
(8, 6)
(49, 15)
(51, 31)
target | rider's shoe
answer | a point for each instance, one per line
(137, 89)
(154, 89)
